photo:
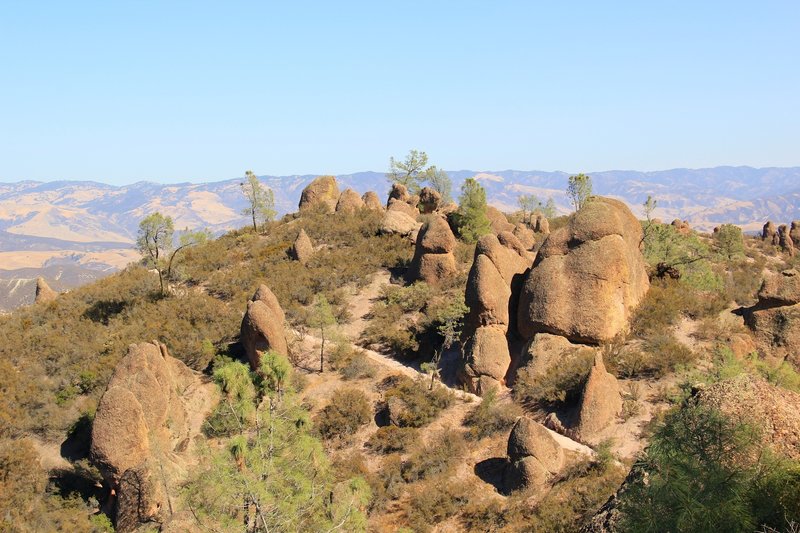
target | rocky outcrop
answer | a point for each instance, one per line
(533, 455)
(403, 207)
(322, 193)
(398, 222)
(498, 220)
(752, 400)
(142, 433)
(546, 351)
(601, 402)
(785, 240)
(588, 276)
(525, 235)
(433, 256)
(371, 201)
(775, 318)
(398, 192)
(496, 275)
(349, 202)
(794, 232)
(429, 200)
(44, 293)
(682, 226)
(262, 327)
(768, 232)
(302, 249)
(541, 224)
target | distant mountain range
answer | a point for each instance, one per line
(72, 232)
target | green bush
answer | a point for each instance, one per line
(491, 417)
(392, 439)
(436, 501)
(348, 410)
(439, 455)
(421, 404)
(561, 383)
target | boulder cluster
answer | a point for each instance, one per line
(496, 275)
(323, 193)
(142, 431)
(775, 318)
(579, 291)
(682, 226)
(787, 237)
(262, 327)
(433, 259)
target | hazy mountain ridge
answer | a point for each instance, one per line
(91, 226)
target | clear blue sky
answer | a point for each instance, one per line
(174, 91)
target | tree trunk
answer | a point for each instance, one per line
(322, 353)
(161, 280)
(255, 227)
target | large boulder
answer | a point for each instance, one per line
(775, 318)
(399, 192)
(495, 276)
(601, 402)
(588, 276)
(429, 200)
(323, 191)
(433, 259)
(525, 235)
(349, 202)
(498, 220)
(403, 207)
(541, 224)
(768, 231)
(44, 293)
(262, 327)
(682, 226)
(785, 240)
(546, 351)
(398, 222)
(142, 435)
(371, 201)
(794, 232)
(302, 249)
(533, 455)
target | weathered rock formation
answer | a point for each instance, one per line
(794, 232)
(142, 433)
(262, 327)
(785, 239)
(403, 207)
(498, 220)
(682, 226)
(302, 249)
(398, 222)
(323, 191)
(349, 202)
(371, 201)
(429, 200)
(525, 235)
(775, 318)
(433, 257)
(541, 224)
(546, 351)
(533, 454)
(496, 275)
(44, 293)
(588, 276)
(601, 402)
(768, 232)
(398, 192)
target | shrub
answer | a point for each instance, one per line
(351, 363)
(434, 502)
(491, 417)
(667, 354)
(348, 410)
(560, 384)
(439, 455)
(391, 439)
(421, 404)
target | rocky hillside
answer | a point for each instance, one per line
(396, 362)
(90, 226)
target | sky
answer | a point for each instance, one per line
(174, 91)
